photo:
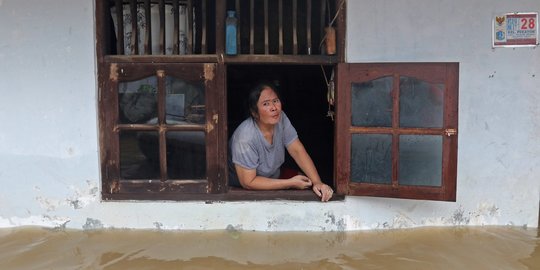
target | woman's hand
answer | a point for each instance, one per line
(300, 182)
(324, 191)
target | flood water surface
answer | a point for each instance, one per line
(421, 248)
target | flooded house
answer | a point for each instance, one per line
(117, 113)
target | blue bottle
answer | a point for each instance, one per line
(230, 33)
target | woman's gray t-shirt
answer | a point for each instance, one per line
(249, 149)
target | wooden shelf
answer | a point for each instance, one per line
(237, 59)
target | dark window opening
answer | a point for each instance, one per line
(304, 96)
(188, 27)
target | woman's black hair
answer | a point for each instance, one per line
(255, 94)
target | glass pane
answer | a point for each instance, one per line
(139, 155)
(371, 158)
(138, 101)
(420, 160)
(420, 103)
(372, 103)
(186, 155)
(184, 102)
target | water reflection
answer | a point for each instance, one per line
(426, 248)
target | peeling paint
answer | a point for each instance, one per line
(42, 221)
(484, 214)
(286, 221)
(209, 126)
(113, 75)
(83, 198)
(48, 204)
(78, 200)
(402, 221)
(209, 72)
(160, 73)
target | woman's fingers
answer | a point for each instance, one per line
(324, 191)
(307, 182)
(302, 181)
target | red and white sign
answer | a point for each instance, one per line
(515, 29)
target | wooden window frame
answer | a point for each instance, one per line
(215, 188)
(111, 127)
(448, 73)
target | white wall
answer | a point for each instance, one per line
(499, 92)
(49, 168)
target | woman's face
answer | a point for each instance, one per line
(269, 107)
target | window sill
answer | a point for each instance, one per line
(239, 194)
(234, 194)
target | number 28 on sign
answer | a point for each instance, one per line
(515, 29)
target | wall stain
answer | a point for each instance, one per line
(48, 204)
(78, 200)
(402, 221)
(92, 224)
(83, 198)
(459, 218)
(339, 224)
(234, 231)
(158, 225)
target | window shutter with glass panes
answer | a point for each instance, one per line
(162, 129)
(397, 128)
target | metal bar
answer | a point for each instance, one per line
(176, 32)
(266, 51)
(280, 14)
(295, 33)
(221, 11)
(308, 27)
(189, 45)
(148, 32)
(162, 26)
(120, 27)
(203, 27)
(341, 29)
(238, 30)
(134, 30)
(252, 27)
(322, 26)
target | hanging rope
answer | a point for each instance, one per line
(330, 93)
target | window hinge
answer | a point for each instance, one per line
(210, 125)
(450, 132)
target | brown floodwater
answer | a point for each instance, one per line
(420, 248)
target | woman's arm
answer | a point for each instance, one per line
(301, 157)
(249, 180)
